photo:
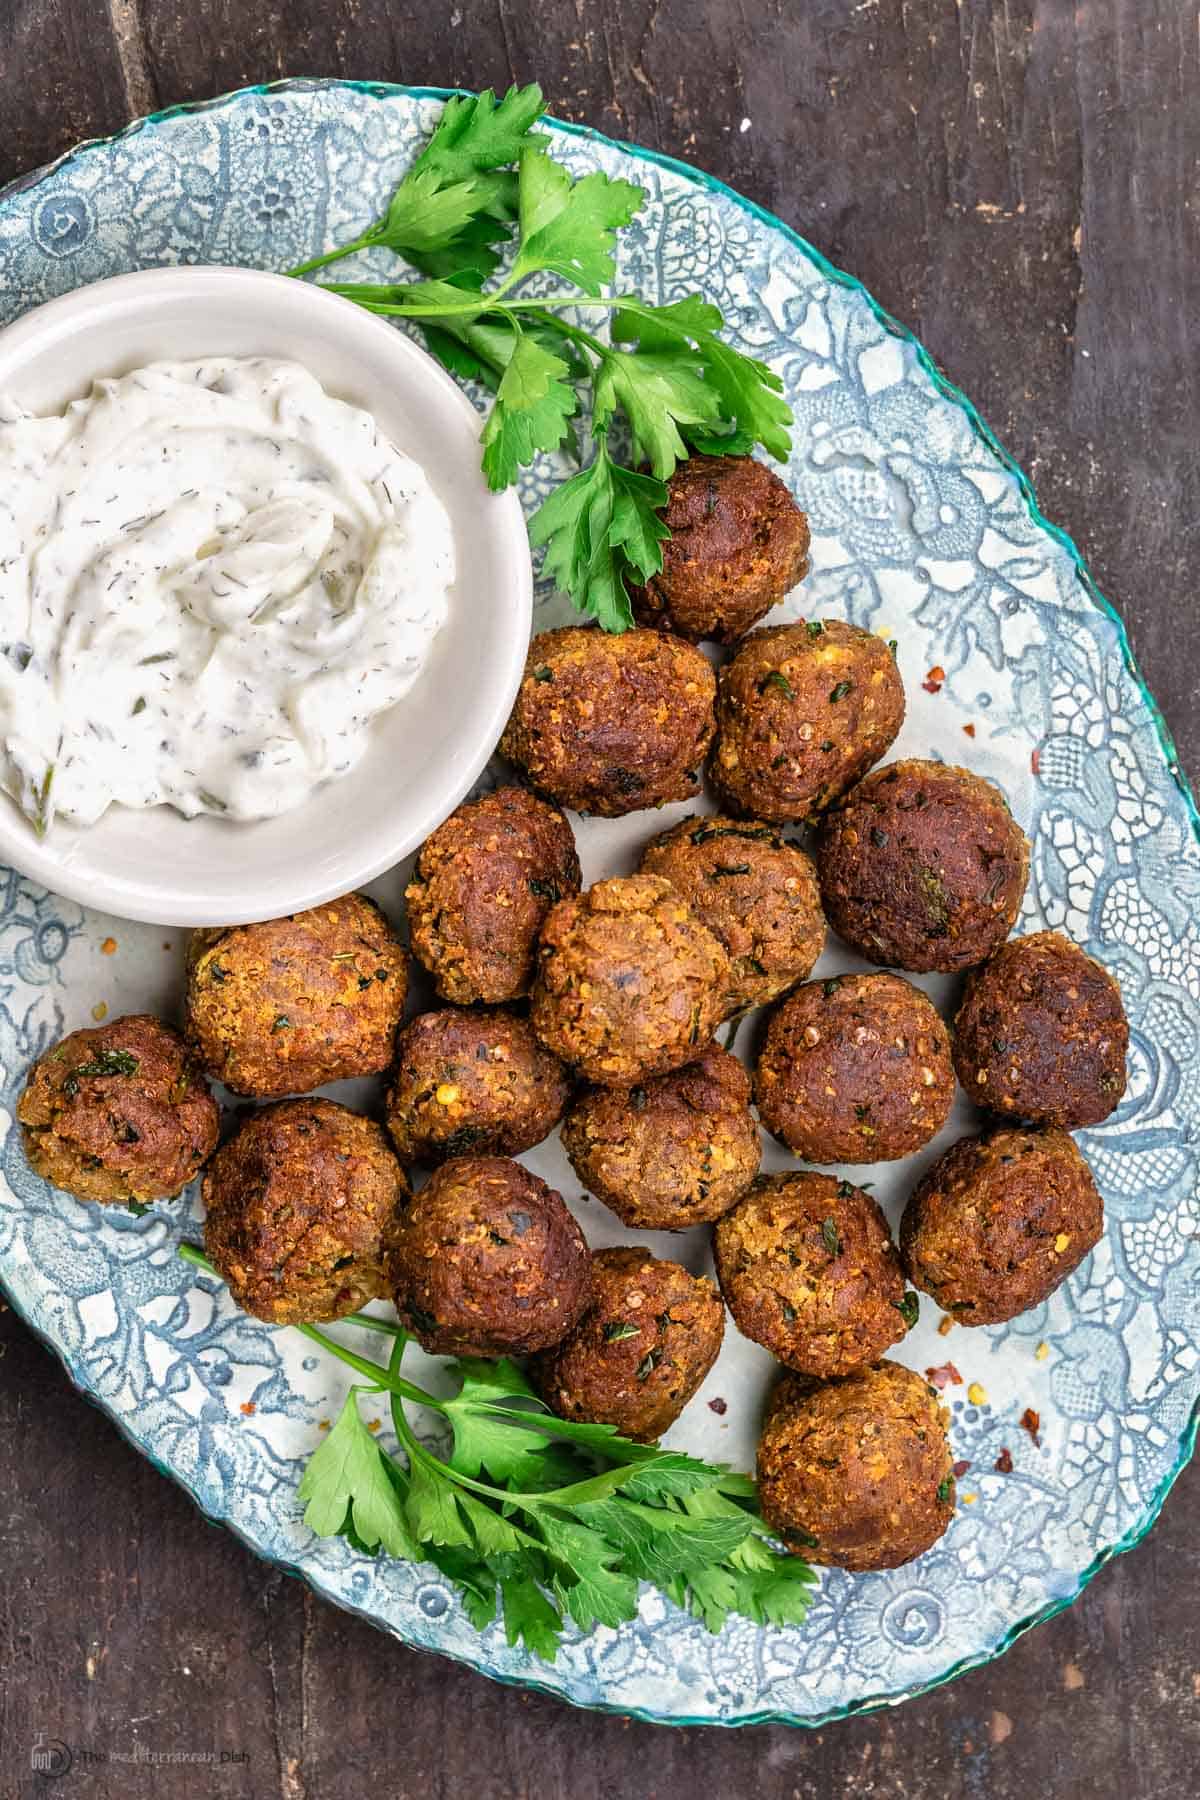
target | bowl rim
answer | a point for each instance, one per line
(370, 854)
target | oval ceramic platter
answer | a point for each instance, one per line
(923, 530)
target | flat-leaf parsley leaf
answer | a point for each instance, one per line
(484, 179)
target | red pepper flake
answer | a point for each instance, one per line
(937, 673)
(970, 730)
(932, 687)
(249, 1408)
(1035, 762)
(959, 1470)
(1004, 1462)
(1031, 1422)
(945, 1376)
(717, 1405)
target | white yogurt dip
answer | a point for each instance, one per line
(213, 576)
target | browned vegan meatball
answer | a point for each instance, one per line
(857, 1473)
(1042, 1034)
(629, 984)
(676, 1152)
(298, 1206)
(472, 1081)
(738, 543)
(120, 1113)
(645, 1344)
(999, 1222)
(922, 866)
(607, 724)
(483, 883)
(757, 894)
(808, 1269)
(487, 1261)
(802, 711)
(293, 1003)
(855, 1070)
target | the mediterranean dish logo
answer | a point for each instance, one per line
(52, 1759)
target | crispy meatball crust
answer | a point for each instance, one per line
(293, 1003)
(487, 1261)
(118, 1113)
(472, 1081)
(644, 1346)
(999, 1222)
(855, 1070)
(607, 724)
(757, 894)
(923, 867)
(1042, 1034)
(738, 543)
(857, 1473)
(808, 1269)
(298, 1206)
(628, 983)
(483, 883)
(677, 1152)
(803, 711)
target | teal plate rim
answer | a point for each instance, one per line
(384, 90)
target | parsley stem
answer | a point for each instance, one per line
(412, 1443)
(189, 1253)
(366, 293)
(330, 256)
(576, 333)
(478, 306)
(382, 1378)
(368, 1322)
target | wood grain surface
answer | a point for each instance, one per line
(1015, 179)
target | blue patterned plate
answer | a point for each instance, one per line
(923, 529)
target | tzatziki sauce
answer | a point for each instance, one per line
(213, 576)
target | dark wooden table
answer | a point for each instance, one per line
(1016, 179)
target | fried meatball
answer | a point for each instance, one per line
(607, 724)
(645, 1344)
(483, 883)
(757, 894)
(472, 1081)
(298, 1206)
(855, 1070)
(628, 983)
(857, 1473)
(999, 1222)
(118, 1114)
(679, 1151)
(802, 711)
(293, 1003)
(487, 1261)
(922, 866)
(738, 543)
(1042, 1034)
(808, 1269)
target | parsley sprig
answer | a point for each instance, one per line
(540, 1519)
(484, 212)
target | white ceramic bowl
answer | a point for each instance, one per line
(157, 866)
